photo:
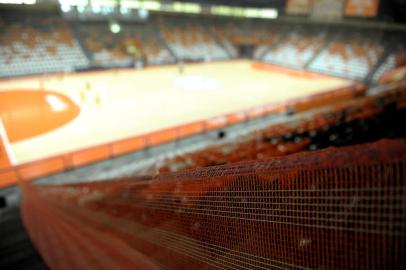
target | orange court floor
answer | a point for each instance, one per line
(48, 115)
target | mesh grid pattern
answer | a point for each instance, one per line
(341, 208)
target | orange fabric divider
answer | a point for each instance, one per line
(323, 99)
(216, 122)
(395, 75)
(67, 160)
(257, 112)
(287, 71)
(8, 177)
(237, 117)
(275, 108)
(190, 129)
(40, 168)
(127, 145)
(162, 136)
(360, 88)
(90, 155)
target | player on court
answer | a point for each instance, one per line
(180, 67)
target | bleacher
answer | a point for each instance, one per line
(396, 58)
(350, 55)
(37, 42)
(349, 121)
(297, 48)
(265, 36)
(190, 39)
(112, 50)
(43, 42)
(104, 45)
(230, 33)
(151, 46)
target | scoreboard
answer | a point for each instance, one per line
(333, 9)
(297, 7)
(361, 8)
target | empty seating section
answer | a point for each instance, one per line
(104, 45)
(395, 59)
(146, 41)
(297, 48)
(230, 34)
(387, 65)
(350, 56)
(190, 40)
(37, 43)
(264, 37)
(40, 42)
(122, 49)
(348, 122)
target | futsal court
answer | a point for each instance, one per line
(106, 106)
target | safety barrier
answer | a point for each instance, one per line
(340, 208)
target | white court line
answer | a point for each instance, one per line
(6, 143)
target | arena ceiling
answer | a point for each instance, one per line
(390, 10)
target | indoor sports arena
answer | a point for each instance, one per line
(202, 134)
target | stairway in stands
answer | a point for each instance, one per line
(73, 28)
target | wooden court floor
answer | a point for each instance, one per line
(119, 104)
